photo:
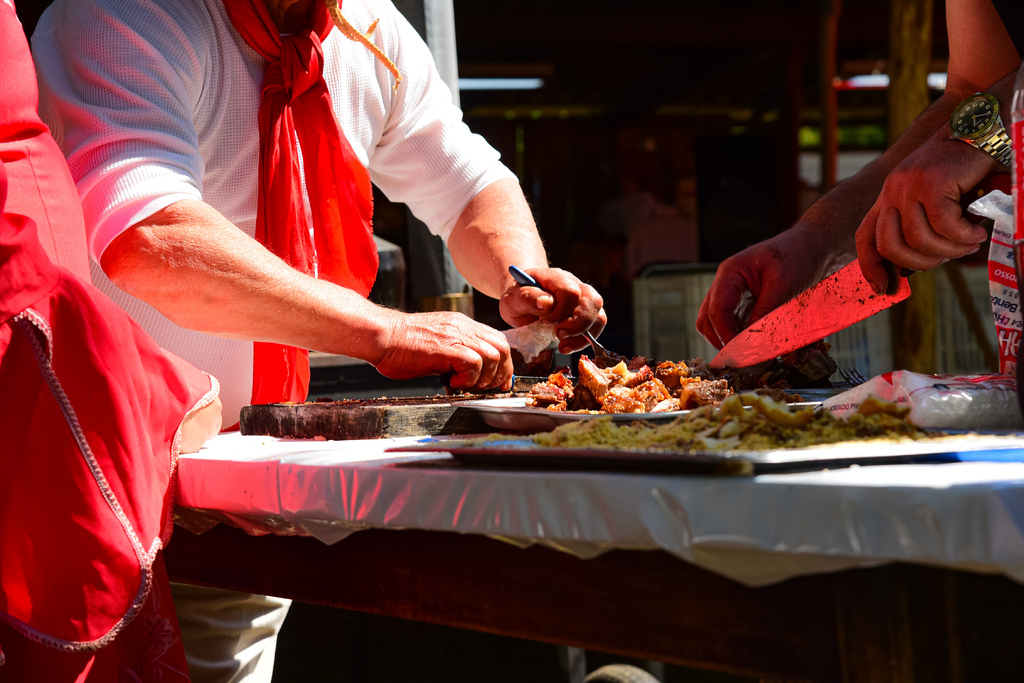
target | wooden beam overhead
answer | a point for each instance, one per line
(829, 47)
(617, 29)
(910, 52)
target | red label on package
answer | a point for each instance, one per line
(1002, 274)
(1017, 132)
(1002, 269)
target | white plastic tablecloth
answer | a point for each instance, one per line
(755, 530)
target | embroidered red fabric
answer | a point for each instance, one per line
(90, 412)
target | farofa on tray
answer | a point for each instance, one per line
(743, 422)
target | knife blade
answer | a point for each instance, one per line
(835, 303)
(520, 385)
(524, 384)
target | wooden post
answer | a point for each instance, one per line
(898, 624)
(829, 103)
(910, 51)
(790, 144)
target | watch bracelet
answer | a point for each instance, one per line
(1000, 146)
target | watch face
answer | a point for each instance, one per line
(974, 117)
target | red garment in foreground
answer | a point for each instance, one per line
(90, 409)
(90, 414)
(297, 106)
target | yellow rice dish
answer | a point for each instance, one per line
(744, 422)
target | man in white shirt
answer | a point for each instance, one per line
(157, 106)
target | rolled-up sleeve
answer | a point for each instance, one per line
(119, 82)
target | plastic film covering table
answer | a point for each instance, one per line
(757, 531)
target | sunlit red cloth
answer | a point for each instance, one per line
(297, 106)
(149, 649)
(90, 414)
(90, 410)
(38, 188)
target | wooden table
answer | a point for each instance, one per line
(896, 623)
(899, 622)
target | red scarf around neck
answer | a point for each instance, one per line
(296, 106)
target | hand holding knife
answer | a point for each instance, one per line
(835, 303)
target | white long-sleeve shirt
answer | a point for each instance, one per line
(154, 101)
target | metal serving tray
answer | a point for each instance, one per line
(524, 454)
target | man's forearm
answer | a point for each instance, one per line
(980, 53)
(837, 215)
(494, 231)
(205, 274)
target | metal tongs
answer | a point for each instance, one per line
(602, 355)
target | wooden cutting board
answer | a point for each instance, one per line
(369, 419)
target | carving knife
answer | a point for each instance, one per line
(521, 384)
(835, 303)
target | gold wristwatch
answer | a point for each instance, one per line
(976, 121)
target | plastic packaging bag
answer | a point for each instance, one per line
(532, 339)
(940, 401)
(1002, 277)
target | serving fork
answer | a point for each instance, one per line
(852, 375)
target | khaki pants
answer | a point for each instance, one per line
(229, 637)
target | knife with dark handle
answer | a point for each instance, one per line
(835, 303)
(520, 385)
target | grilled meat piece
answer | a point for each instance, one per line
(779, 395)
(755, 377)
(696, 393)
(541, 364)
(667, 406)
(545, 395)
(582, 399)
(804, 368)
(651, 393)
(555, 394)
(700, 369)
(812, 361)
(597, 380)
(620, 399)
(643, 374)
(638, 362)
(671, 373)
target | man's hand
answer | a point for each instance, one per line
(913, 231)
(758, 280)
(496, 230)
(917, 222)
(574, 306)
(421, 344)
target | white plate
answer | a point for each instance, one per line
(512, 414)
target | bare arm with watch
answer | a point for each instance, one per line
(917, 221)
(903, 207)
